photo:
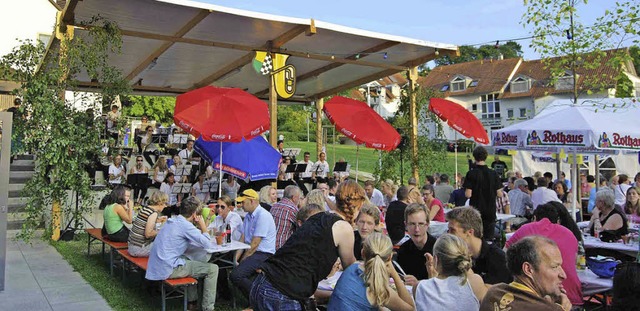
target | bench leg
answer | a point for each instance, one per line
(184, 297)
(163, 296)
(88, 245)
(111, 261)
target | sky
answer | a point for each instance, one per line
(445, 21)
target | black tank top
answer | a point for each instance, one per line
(305, 259)
(624, 230)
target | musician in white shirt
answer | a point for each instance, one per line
(117, 172)
(307, 177)
(187, 154)
(321, 168)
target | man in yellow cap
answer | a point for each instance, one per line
(259, 231)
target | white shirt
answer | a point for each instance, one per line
(543, 195)
(377, 198)
(234, 220)
(202, 196)
(168, 189)
(344, 174)
(621, 193)
(321, 169)
(185, 154)
(115, 171)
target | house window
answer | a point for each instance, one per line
(523, 112)
(458, 84)
(520, 85)
(474, 107)
(565, 82)
(509, 113)
(490, 106)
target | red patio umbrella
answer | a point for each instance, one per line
(460, 119)
(221, 114)
(362, 124)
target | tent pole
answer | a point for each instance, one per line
(357, 153)
(455, 151)
(576, 184)
(220, 173)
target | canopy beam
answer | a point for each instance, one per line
(319, 105)
(202, 14)
(246, 59)
(317, 72)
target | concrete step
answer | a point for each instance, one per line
(19, 180)
(17, 200)
(15, 193)
(23, 163)
(16, 187)
(22, 167)
(16, 208)
(20, 174)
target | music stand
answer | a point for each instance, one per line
(183, 170)
(138, 180)
(340, 167)
(291, 152)
(300, 167)
(160, 139)
(180, 139)
(291, 168)
(179, 188)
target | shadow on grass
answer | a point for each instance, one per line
(134, 293)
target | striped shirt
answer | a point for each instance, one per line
(284, 216)
(136, 236)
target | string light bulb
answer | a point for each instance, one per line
(569, 37)
(437, 52)
(497, 44)
(333, 57)
(385, 56)
(308, 55)
(357, 56)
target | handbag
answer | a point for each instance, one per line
(609, 236)
(604, 267)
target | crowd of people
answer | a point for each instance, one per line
(377, 242)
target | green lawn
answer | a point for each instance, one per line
(131, 294)
(368, 158)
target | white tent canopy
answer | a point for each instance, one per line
(173, 46)
(591, 126)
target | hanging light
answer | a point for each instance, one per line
(437, 52)
(385, 56)
(497, 44)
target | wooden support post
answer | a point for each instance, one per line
(273, 113)
(413, 77)
(319, 106)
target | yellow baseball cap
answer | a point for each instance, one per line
(248, 194)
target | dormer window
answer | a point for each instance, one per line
(458, 83)
(520, 84)
(565, 82)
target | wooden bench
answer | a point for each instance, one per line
(178, 287)
(95, 234)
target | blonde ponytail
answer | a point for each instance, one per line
(377, 252)
(454, 258)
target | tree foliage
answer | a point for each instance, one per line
(557, 30)
(510, 49)
(158, 108)
(432, 152)
(61, 133)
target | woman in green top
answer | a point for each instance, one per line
(120, 209)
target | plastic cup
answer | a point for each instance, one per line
(219, 239)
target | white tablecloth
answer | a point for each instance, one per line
(233, 246)
(630, 249)
(593, 284)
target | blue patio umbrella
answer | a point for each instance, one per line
(254, 159)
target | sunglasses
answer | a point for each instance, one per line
(220, 206)
(138, 160)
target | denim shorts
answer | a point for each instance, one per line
(265, 297)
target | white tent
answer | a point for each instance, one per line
(603, 126)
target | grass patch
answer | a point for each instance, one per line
(368, 158)
(132, 294)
